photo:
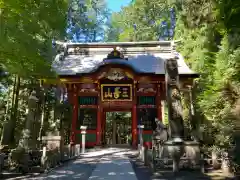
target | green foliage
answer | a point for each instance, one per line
(139, 21)
(209, 34)
(212, 50)
(87, 20)
(27, 30)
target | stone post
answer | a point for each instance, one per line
(44, 157)
(83, 132)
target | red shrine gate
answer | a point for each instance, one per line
(131, 79)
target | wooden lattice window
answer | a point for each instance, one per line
(87, 117)
(146, 100)
(88, 100)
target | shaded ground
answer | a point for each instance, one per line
(144, 173)
(83, 168)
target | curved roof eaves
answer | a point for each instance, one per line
(142, 63)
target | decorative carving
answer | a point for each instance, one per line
(146, 90)
(115, 54)
(88, 88)
(144, 87)
(115, 74)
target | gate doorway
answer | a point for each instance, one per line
(118, 128)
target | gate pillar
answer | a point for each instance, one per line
(134, 126)
(99, 125)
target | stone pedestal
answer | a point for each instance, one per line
(192, 152)
(176, 149)
(83, 132)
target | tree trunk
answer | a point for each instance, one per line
(15, 110)
(9, 126)
(43, 113)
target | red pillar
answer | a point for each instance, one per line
(103, 137)
(134, 117)
(158, 103)
(99, 125)
(75, 113)
(134, 126)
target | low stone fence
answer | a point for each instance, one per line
(192, 159)
(52, 154)
(53, 157)
(161, 157)
(24, 161)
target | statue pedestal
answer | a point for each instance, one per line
(185, 154)
(175, 149)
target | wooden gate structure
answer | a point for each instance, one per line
(117, 76)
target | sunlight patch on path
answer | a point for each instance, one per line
(115, 167)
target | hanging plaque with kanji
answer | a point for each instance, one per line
(116, 92)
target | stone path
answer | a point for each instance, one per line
(95, 165)
(116, 164)
(114, 167)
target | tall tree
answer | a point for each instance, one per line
(26, 49)
(26, 34)
(86, 20)
(209, 31)
(142, 20)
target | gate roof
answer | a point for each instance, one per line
(142, 57)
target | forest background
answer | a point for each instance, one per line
(210, 39)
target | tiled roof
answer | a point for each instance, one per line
(148, 59)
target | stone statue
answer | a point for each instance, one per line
(160, 132)
(175, 112)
